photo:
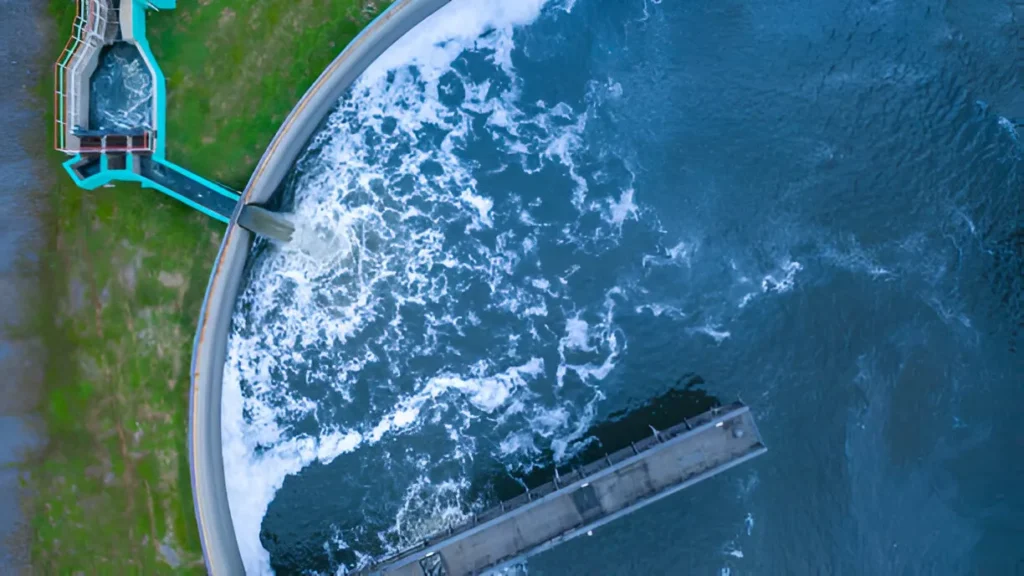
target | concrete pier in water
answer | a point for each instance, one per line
(570, 505)
(575, 504)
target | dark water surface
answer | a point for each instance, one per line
(24, 35)
(554, 217)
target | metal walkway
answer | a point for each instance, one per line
(187, 186)
(618, 484)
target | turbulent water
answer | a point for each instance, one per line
(121, 91)
(549, 212)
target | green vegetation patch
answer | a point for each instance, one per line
(124, 278)
(236, 68)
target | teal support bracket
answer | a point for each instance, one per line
(155, 172)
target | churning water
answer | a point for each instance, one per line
(121, 91)
(552, 211)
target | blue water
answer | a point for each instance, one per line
(552, 213)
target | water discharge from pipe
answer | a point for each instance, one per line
(273, 225)
(313, 240)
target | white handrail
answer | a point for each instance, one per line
(89, 31)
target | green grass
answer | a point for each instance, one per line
(235, 69)
(125, 275)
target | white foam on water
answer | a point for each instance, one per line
(746, 299)
(487, 392)
(427, 508)
(680, 254)
(950, 314)
(581, 336)
(622, 209)
(123, 87)
(482, 206)
(325, 249)
(384, 219)
(658, 310)
(410, 231)
(577, 335)
(778, 281)
(1007, 125)
(518, 442)
(647, 14)
(432, 46)
(253, 476)
(731, 549)
(338, 541)
(517, 569)
(714, 331)
(850, 255)
(784, 280)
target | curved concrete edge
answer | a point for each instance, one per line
(206, 461)
(303, 120)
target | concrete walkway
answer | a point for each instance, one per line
(607, 489)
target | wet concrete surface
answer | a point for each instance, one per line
(25, 38)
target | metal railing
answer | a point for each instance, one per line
(560, 481)
(87, 31)
(116, 143)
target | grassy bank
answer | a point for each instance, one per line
(125, 277)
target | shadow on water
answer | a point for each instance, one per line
(686, 400)
(293, 546)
